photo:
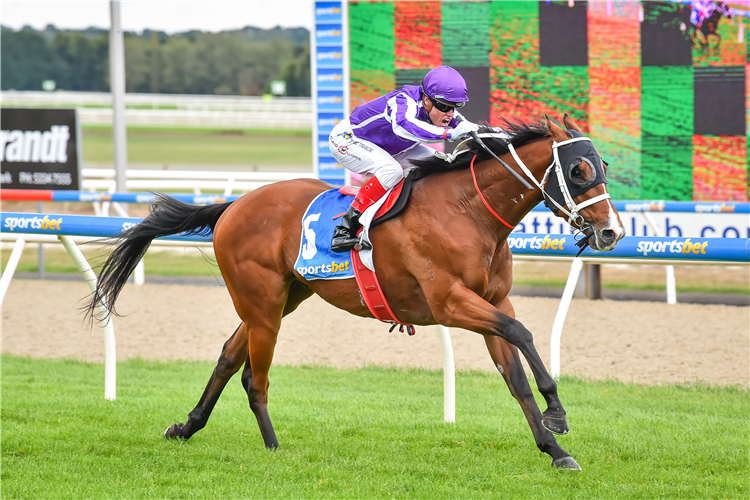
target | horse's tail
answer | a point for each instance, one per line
(167, 216)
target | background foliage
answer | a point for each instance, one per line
(241, 62)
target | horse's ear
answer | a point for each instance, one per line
(571, 123)
(555, 131)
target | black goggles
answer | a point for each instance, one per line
(445, 107)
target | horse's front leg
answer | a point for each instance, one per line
(505, 357)
(465, 309)
(232, 356)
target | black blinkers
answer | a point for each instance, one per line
(574, 156)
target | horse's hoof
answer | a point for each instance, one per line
(556, 424)
(567, 463)
(171, 432)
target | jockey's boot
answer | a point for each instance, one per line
(345, 235)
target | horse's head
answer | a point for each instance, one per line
(576, 187)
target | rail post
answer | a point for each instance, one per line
(10, 267)
(671, 283)
(562, 312)
(449, 375)
(110, 356)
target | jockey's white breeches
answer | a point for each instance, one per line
(364, 157)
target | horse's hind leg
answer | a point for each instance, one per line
(255, 374)
(232, 356)
(234, 352)
(261, 305)
(256, 385)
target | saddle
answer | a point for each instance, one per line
(395, 202)
(369, 287)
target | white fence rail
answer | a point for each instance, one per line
(226, 181)
(160, 110)
(62, 98)
(197, 118)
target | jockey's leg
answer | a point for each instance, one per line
(362, 157)
(387, 175)
(345, 235)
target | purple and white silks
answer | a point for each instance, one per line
(397, 121)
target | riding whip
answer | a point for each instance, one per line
(479, 141)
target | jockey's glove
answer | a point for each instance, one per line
(463, 128)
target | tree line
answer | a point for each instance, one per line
(239, 62)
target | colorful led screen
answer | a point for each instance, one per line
(661, 87)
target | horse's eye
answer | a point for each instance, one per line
(580, 172)
(577, 172)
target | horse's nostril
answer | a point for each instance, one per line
(608, 235)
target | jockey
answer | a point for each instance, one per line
(381, 136)
(701, 10)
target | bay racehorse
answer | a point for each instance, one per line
(453, 268)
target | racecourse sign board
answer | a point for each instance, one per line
(40, 149)
(330, 84)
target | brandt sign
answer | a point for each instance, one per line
(40, 149)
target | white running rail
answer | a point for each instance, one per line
(228, 182)
(158, 110)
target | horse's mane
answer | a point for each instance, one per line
(521, 133)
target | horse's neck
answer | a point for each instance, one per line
(506, 195)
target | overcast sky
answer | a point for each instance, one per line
(171, 16)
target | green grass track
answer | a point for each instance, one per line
(368, 433)
(203, 146)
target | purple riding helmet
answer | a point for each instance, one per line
(445, 85)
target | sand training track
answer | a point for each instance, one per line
(641, 342)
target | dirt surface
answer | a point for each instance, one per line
(641, 342)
